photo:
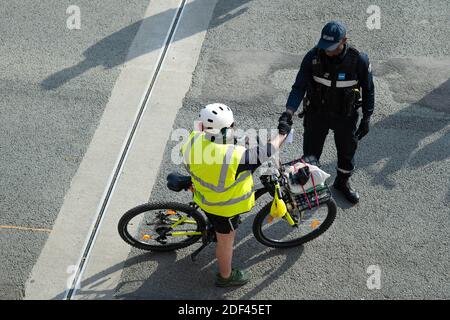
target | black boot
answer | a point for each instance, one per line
(342, 184)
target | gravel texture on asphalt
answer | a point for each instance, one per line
(402, 222)
(55, 84)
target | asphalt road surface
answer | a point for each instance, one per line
(402, 222)
(56, 83)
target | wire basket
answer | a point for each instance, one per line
(323, 191)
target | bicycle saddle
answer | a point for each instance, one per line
(177, 182)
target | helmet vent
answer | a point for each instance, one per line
(214, 112)
(209, 120)
(221, 108)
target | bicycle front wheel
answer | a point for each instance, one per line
(161, 226)
(309, 224)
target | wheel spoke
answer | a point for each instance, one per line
(154, 226)
(277, 231)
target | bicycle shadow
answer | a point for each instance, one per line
(195, 281)
(113, 50)
(172, 275)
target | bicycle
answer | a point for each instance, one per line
(167, 226)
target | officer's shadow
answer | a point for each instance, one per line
(383, 156)
(173, 275)
(384, 153)
(113, 50)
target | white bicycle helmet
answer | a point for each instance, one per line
(215, 117)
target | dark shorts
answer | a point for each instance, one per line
(222, 224)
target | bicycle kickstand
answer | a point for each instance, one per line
(207, 237)
(196, 252)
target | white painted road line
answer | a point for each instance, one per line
(120, 163)
(50, 278)
(140, 172)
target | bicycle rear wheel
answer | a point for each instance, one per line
(162, 226)
(309, 224)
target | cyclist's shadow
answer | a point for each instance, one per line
(114, 50)
(173, 275)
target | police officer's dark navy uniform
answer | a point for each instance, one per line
(336, 85)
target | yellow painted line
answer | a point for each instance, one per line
(26, 229)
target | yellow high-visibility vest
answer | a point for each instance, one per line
(213, 168)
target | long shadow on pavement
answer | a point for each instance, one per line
(183, 279)
(174, 278)
(399, 151)
(113, 50)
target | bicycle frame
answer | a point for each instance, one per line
(181, 220)
(258, 193)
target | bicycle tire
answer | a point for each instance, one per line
(265, 211)
(142, 209)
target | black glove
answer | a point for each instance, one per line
(284, 127)
(363, 128)
(286, 117)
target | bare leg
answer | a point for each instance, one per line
(224, 252)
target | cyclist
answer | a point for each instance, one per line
(221, 172)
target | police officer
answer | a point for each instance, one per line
(337, 80)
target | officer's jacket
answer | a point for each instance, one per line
(327, 81)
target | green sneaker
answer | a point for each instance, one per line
(237, 278)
